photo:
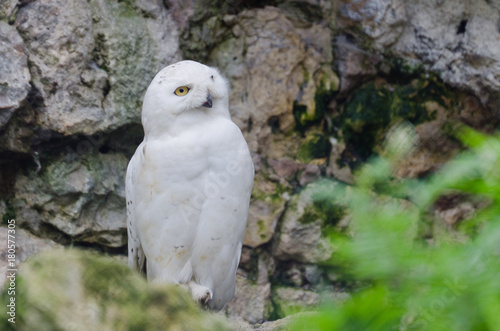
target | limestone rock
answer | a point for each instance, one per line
(334, 169)
(266, 207)
(266, 266)
(285, 324)
(262, 220)
(76, 290)
(289, 300)
(273, 65)
(311, 173)
(59, 50)
(299, 274)
(453, 209)
(292, 322)
(93, 63)
(362, 127)
(251, 301)
(307, 216)
(26, 245)
(257, 265)
(355, 65)
(302, 242)
(455, 39)
(382, 20)
(14, 73)
(82, 198)
(132, 48)
(7, 8)
(285, 168)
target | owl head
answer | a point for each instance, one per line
(182, 92)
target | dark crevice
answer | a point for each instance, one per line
(104, 149)
(249, 124)
(123, 250)
(53, 233)
(462, 27)
(274, 123)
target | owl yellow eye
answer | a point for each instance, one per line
(181, 91)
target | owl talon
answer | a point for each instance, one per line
(200, 293)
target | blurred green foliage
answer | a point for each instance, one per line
(413, 280)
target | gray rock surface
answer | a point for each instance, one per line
(92, 65)
(297, 54)
(26, 245)
(14, 73)
(283, 324)
(82, 198)
(251, 301)
(7, 7)
(381, 20)
(301, 235)
(289, 300)
(59, 50)
(456, 39)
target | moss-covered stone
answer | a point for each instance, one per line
(266, 207)
(315, 146)
(308, 115)
(83, 198)
(306, 224)
(251, 300)
(76, 290)
(376, 105)
(126, 50)
(202, 36)
(8, 213)
(329, 212)
(288, 301)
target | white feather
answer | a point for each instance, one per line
(188, 185)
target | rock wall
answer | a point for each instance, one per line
(316, 85)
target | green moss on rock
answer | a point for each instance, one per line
(77, 290)
(9, 213)
(307, 116)
(125, 49)
(288, 301)
(376, 105)
(315, 146)
(322, 207)
(307, 223)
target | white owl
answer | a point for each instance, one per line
(188, 185)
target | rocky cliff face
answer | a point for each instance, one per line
(316, 85)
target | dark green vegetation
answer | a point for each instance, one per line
(303, 119)
(415, 278)
(375, 105)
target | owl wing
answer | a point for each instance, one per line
(136, 257)
(222, 220)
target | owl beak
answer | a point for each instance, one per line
(208, 102)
